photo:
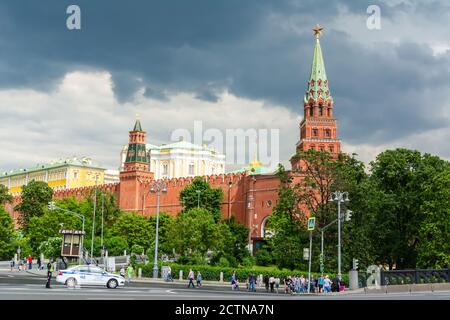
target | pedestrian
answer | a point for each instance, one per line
(326, 284)
(335, 285)
(266, 282)
(12, 264)
(321, 283)
(234, 281)
(49, 273)
(30, 262)
(122, 272)
(191, 278)
(341, 286)
(277, 284)
(20, 265)
(199, 279)
(130, 272)
(39, 263)
(251, 282)
(272, 283)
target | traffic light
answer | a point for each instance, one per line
(355, 264)
(348, 215)
(51, 205)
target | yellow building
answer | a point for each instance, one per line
(60, 175)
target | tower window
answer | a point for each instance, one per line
(165, 169)
(328, 133)
(191, 169)
(315, 132)
(331, 148)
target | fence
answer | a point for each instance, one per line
(396, 277)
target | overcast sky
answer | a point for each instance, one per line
(231, 64)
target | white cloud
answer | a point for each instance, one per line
(81, 117)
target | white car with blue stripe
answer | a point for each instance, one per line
(89, 275)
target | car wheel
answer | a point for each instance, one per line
(71, 282)
(112, 284)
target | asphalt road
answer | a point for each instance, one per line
(23, 286)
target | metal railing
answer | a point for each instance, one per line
(415, 276)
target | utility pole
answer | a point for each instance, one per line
(339, 197)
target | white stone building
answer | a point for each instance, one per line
(181, 159)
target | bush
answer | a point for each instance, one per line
(137, 249)
(263, 257)
(248, 261)
(223, 262)
(212, 273)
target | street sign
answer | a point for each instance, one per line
(305, 253)
(311, 223)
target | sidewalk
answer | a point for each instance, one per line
(213, 285)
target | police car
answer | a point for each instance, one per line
(89, 275)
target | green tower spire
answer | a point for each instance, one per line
(318, 82)
(136, 146)
(137, 125)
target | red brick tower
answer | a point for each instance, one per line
(318, 129)
(136, 171)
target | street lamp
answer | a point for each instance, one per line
(198, 198)
(101, 244)
(93, 220)
(157, 187)
(51, 206)
(339, 197)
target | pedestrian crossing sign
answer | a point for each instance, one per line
(311, 223)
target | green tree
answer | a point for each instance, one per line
(4, 195)
(288, 223)
(200, 194)
(434, 230)
(237, 244)
(51, 247)
(35, 197)
(165, 223)
(401, 177)
(134, 229)
(6, 235)
(194, 233)
(42, 228)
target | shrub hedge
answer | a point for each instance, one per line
(212, 273)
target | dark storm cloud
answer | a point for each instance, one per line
(208, 46)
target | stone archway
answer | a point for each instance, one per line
(264, 232)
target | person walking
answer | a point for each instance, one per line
(130, 272)
(272, 283)
(30, 262)
(199, 279)
(266, 282)
(122, 272)
(191, 278)
(50, 269)
(326, 284)
(277, 284)
(251, 283)
(321, 283)
(12, 263)
(39, 263)
(335, 285)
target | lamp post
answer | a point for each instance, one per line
(230, 184)
(101, 244)
(339, 197)
(198, 198)
(322, 258)
(157, 187)
(51, 206)
(93, 220)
